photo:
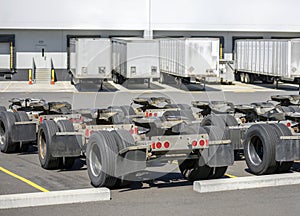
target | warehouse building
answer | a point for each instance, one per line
(38, 33)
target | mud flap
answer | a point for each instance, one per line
(130, 162)
(220, 155)
(288, 150)
(25, 132)
(66, 145)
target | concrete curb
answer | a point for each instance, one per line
(246, 182)
(54, 198)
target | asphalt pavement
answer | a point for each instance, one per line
(170, 194)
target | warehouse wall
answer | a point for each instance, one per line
(229, 15)
(199, 15)
(30, 42)
(73, 14)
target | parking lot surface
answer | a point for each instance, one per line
(170, 193)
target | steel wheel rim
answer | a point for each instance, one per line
(42, 145)
(2, 134)
(256, 150)
(95, 160)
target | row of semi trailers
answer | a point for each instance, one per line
(187, 60)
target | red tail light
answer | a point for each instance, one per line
(167, 145)
(150, 114)
(158, 145)
(202, 142)
(41, 119)
(147, 114)
(288, 124)
(87, 132)
(155, 114)
(207, 142)
(153, 145)
(194, 143)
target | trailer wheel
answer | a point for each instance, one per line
(21, 116)
(100, 158)
(294, 109)
(2, 108)
(259, 149)
(191, 170)
(213, 120)
(286, 109)
(282, 130)
(242, 77)
(229, 120)
(7, 120)
(217, 172)
(66, 126)
(124, 140)
(45, 133)
(128, 110)
(119, 118)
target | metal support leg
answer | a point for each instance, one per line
(204, 83)
(101, 85)
(149, 84)
(276, 83)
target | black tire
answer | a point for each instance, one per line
(100, 158)
(21, 116)
(219, 124)
(294, 109)
(216, 133)
(123, 140)
(217, 172)
(229, 120)
(213, 120)
(119, 117)
(282, 130)
(191, 170)
(242, 77)
(2, 108)
(45, 133)
(259, 149)
(7, 120)
(128, 110)
(66, 126)
(247, 79)
(286, 109)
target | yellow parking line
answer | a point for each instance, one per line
(4, 90)
(230, 176)
(245, 91)
(23, 180)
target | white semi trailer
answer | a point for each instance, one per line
(90, 60)
(189, 59)
(135, 58)
(267, 60)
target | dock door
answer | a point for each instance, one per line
(7, 54)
